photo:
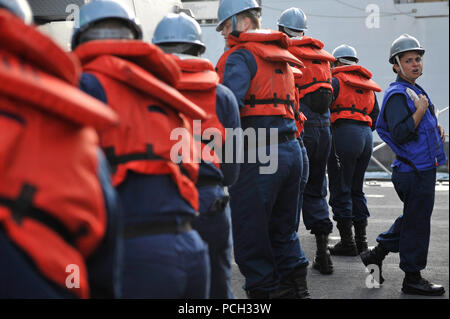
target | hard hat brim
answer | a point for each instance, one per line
(392, 58)
(236, 12)
(131, 24)
(348, 58)
(220, 26)
(283, 25)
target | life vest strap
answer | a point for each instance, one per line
(312, 83)
(353, 109)
(296, 114)
(275, 101)
(22, 207)
(12, 116)
(115, 160)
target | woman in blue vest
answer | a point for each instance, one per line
(408, 124)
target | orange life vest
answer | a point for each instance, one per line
(300, 118)
(272, 90)
(356, 99)
(149, 111)
(199, 84)
(317, 72)
(51, 200)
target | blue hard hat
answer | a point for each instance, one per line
(345, 51)
(293, 18)
(99, 10)
(20, 8)
(404, 43)
(229, 8)
(178, 28)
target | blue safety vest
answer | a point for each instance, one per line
(426, 150)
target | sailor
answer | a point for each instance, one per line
(59, 214)
(315, 94)
(354, 112)
(180, 35)
(408, 124)
(256, 67)
(300, 120)
(164, 256)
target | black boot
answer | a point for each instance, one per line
(256, 294)
(285, 290)
(374, 256)
(301, 287)
(347, 245)
(414, 284)
(322, 261)
(292, 286)
(360, 235)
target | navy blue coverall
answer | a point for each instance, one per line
(410, 233)
(317, 140)
(174, 265)
(264, 206)
(352, 144)
(304, 173)
(214, 222)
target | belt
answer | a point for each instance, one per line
(156, 228)
(340, 122)
(282, 138)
